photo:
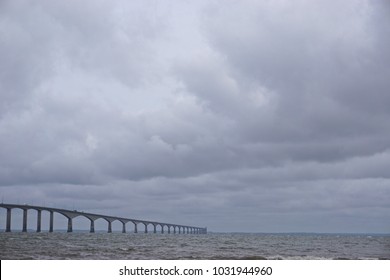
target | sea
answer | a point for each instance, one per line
(210, 246)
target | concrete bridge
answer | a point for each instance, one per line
(70, 214)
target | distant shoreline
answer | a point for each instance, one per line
(2, 230)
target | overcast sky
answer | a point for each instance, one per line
(257, 116)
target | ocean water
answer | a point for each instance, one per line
(124, 246)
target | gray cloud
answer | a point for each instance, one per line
(250, 116)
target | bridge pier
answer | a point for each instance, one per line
(162, 228)
(154, 228)
(51, 221)
(135, 228)
(146, 228)
(39, 219)
(24, 220)
(169, 229)
(123, 227)
(109, 227)
(70, 227)
(8, 226)
(92, 227)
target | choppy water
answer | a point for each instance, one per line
(118, 246)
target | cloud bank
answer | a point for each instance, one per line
(249, 116)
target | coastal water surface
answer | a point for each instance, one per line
(117, 246)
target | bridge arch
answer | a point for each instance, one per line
(59, 222)
(81, 223)
(117, 226)
(16, 221)
(99, 224)
(43, 222)
(154, 227)
(146, 225)
(69, 215)
(135, 226)
(161, 227)
(31, 221)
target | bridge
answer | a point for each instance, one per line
(71, 214)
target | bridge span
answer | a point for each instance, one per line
(70, 214)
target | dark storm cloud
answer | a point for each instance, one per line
(252, 116)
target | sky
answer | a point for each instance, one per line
(242, 116)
